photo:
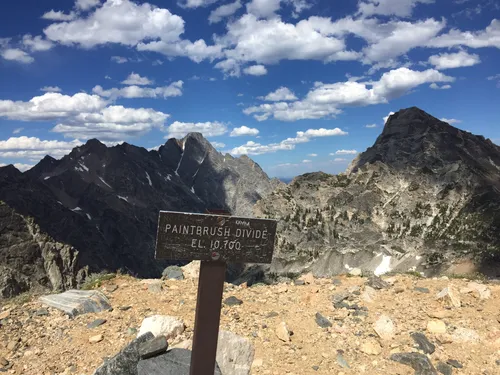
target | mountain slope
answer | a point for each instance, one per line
(424, 195)
(104, 201)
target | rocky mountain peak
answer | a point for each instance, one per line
(413, 139)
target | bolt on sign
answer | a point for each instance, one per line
(214, 238)
(185, 236)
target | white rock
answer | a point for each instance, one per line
(371, 347)
(483, 291)
(384, 327)
(283, 332)
(356, 272)
(451, 294)
(436, 326)
(308, 278)
(192, 270)
(234, 354)
(369, 294)
(168, 326)
(465, 335)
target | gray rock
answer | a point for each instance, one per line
(422, 290)
(77, 302)
(153, 347)
(454, 363)
(232, 301)
(41, 312)
(423, 343)
(299, 282)
(124, 308)
(377, 283)
(272, 314)
(419, 362)
(315, 368)
(444, 369)
(336, 282)
(339, 297)
(322, 321)
(155, 287)
(341, 360)
(173, 272)
(125, 362)
(96, 323)
(173, 362)
(235, 354)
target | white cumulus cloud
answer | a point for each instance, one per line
(16, 54)
(224, 11)
(208, 129)
(401, 8)
(454, 60)
(35, 148)
(255, 70)
(51, 89)
(136, 79)
(132, 92)
(451, 121)
(58, 16)
(345, 152)
(243, 130)
(435, 86)
(282, 94)
(86, 4)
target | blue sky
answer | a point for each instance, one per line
(298, 85)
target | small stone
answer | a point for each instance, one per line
(377, 283)
(421, 290)
(95, 339)
(257, 362)
(111, 288)
(419, 362)
(322, 321)
(77, 302)
(497, 362)
(299, 282)
(356, 272)
(131, 331)
(436, 326)
(235, 354)
(449, 293)
(283, 332)
(308, 278)
(371, 347)
(272, 314)
(3, 362)
(423, 343)
(168, 326)
(444, 369)
(440, 314)
(369, 294)
(96, 323)
(336, 282)
(4, 314)
(41, 312)
(384, 327)
(232, 301)
(465, 335)
(315, 368)
(483, 291)
(454, 363)
(192, 270)
(155, 287)
(341, 360)
(153, 347)
(124, 308)
(13, 345)
(339, 297)
(172, 272)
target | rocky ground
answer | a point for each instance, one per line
(324, 326)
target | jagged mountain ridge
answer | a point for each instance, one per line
(104, 201)
(423, 196)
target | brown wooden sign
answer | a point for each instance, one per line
(186, 236)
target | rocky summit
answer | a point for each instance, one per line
(97, 208)
(278, 329)
(425, 197)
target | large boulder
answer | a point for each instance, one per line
(162, 325)
(125, 362)
(174, 362)
(77, 302)
(234, 354)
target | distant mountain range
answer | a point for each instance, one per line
(425, 196)
(97, 208)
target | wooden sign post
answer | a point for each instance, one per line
(214, 239)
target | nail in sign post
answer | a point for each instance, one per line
(214, 238)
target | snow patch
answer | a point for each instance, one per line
(104, 182)
(192, 190)
(384, 266)
(168, 178)
(76, 209)
(46, 178)
(89, 217)
(124, 198)
(149, 179)
(83, 166)
(346, 266)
